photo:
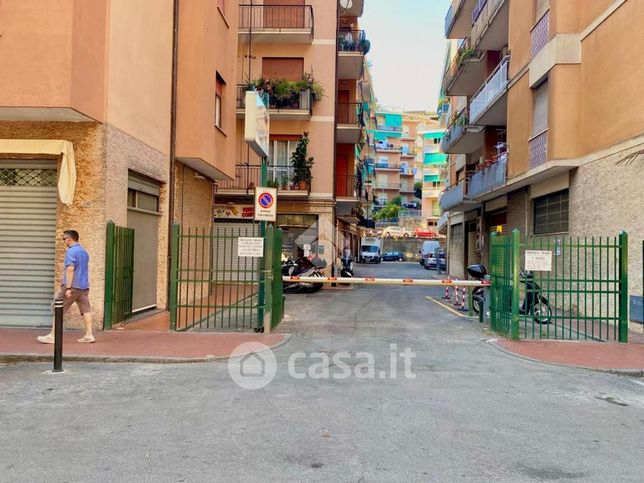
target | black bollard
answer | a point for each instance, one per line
(58, 336)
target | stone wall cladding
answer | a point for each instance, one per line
(456, 251)
(87, 212)
(124, 154)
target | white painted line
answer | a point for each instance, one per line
(640, 383)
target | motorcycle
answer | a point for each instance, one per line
(346, 266)
(302, 267)
(533, 303)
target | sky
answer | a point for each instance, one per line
(407, 50)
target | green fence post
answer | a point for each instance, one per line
(174, 273)
(623, 287)
(276, 311)
(516, 260)
(261, 289)
(109, 276)
(269, 247)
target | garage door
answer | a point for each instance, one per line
(27, 242)
(227, 266)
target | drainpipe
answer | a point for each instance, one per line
(173, 139)
(335, 142)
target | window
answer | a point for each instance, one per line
(219, 95)
(281, 150)
(143, 194)
(551, 213)
(540, 112)
(437, 140)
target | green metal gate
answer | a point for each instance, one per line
(119, 274)
(212, 288)
(583, 296)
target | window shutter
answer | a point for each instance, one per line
(540, 112)
(291, 69)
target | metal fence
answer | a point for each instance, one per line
(583, 295)
(119, 274)
(276, 17)
(213, 288)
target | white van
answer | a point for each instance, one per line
(427, 250)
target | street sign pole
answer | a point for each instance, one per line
(261, 296)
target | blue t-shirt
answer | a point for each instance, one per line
(77, 257)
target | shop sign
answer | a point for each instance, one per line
(234, 212)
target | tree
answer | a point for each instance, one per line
(390, 211)
(418, 189)
(301, 163)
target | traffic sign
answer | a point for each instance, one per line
(265, 204)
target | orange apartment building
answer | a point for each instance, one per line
(545, 124)
(313, 51)
(111, 110)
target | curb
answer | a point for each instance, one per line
(12, 358)
(639, 373)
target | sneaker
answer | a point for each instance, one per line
(46, 339)
(88, 339)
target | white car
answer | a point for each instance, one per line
(396, 232)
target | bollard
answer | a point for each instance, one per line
(462, 307)
(486, 303)
(470, 304)
(58, 336)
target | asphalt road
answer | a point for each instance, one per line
(471, 413)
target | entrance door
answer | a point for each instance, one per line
(27, 242)
(143, 217)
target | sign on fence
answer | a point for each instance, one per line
(250, 247)
(265, 204)
(538, 260)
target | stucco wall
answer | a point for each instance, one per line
(520, 101)
(519, 39)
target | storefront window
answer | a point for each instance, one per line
(300, 234)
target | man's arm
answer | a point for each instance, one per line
(69, 277)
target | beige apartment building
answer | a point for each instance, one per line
(307, 56)
(109, 110)
(546, 121)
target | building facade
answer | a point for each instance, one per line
(533, 144)
(109, 113)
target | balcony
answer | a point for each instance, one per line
(348, 118)
(489, 178)
(247, 177)
(276, 24)
(489, 105)
(297, 108)
(491, 23)
(461, 137)
(346, 186)
(540, 34)
(387, 186)
(406, 189)
(384, 147)
(442, 222)
(352, 46)
(409, 213)
(458, 19)
(386, 167)
(466, 72)
(454, 198)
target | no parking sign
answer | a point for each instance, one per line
(265, 204)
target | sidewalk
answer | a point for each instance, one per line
(627, 359)
(131, 346)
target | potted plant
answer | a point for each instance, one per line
(302, 164)
(272, 183)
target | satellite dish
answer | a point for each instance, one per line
(346, 3)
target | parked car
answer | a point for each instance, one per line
(435, 259)
(421, 233)
(393, 256)
(395, 232)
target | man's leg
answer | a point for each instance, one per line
(67, 303)
(83, 304)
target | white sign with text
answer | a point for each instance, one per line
(248, 246)
(538, 260)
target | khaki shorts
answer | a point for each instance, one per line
(80, 296)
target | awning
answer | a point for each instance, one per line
(57, 147)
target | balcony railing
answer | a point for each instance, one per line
(407, 189)
(540, 34)
(478, 9)
(349, 113)
(455, 129)
(538, 150)
(278, 17)
(494, 86)
(302, 101)
(464, 54)
(247, 177)
(379, 165)
(489, 178)
(346, 185)
(453, 196)
(384, 146)
(408, 213)
(451, 16)
(387, 186)
(482, 16)
(353, 41)
(389, 128)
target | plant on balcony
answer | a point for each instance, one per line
(465, 55)
(389, 212)
(302, 164)
(285, 94)
(272, 183)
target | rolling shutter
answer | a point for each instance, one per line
(227, 266)
(28, 197)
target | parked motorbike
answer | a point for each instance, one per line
(346, 266)
(302, 267)
(533, 303)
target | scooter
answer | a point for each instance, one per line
(534, 303)
(346, 266)
(301, 267)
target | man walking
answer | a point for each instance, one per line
(75, 287)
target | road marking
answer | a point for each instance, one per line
(637, 382)
(449, 308)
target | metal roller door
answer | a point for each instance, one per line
(226, 265)
(27, 242)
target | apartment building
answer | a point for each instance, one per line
(110, 111)
(545, 123)
(289, 50)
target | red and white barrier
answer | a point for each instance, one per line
(391, 281)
